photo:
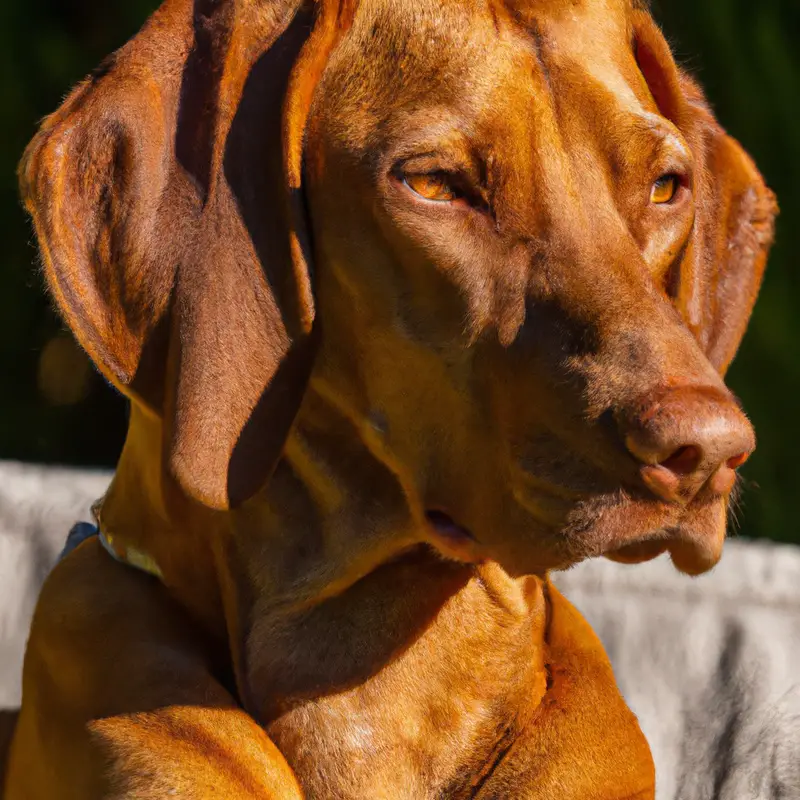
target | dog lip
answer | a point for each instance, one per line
(451, 540)
(446, 526)
(693, 550)
(639, 551)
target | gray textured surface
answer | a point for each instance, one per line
(37, 508)
(711, 665)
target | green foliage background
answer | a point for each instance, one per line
(745, 53)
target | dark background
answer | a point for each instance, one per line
(54, 408)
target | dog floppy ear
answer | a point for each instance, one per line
(717, 278)
(166, 197)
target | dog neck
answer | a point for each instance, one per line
(339, 518)
(367, 640)
(148, 522)
(350, 637)
(347, 576)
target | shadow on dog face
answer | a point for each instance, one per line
(534, 254)
(517, 216)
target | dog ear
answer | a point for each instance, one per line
(716, 280)
(166, 196)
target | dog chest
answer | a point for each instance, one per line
(433, 721)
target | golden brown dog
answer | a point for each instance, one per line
(414, 301)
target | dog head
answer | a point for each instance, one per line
(507, 240)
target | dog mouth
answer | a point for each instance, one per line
(689, 556)
(638, 552)
(451, 539)
(623, 528)
(554, 534)
(634, 531)
(693, 551)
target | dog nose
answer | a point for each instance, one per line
(689, 438)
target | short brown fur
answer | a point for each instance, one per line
(319, 362)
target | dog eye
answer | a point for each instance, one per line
(432, 186)
(664, 189)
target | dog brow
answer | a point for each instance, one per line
(537, 37)
(494, 6)
(505, 8)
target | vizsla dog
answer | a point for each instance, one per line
(414, 302)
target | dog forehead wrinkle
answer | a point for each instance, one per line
(391, 46)
(365, 99)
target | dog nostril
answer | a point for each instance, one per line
(736, 461)
(684, 461)
(687, 438)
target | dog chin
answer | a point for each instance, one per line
(630, 531)
(694, 544)
(622, 528)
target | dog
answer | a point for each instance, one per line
(414, 302)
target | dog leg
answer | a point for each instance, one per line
(120, 700)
